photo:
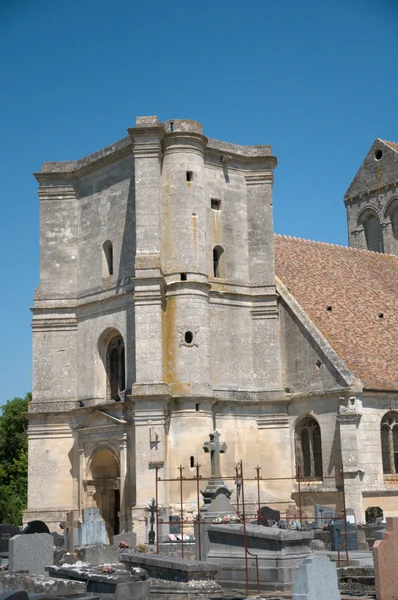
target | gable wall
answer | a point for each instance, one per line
(299, 356)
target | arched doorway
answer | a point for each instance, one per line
(104, 477)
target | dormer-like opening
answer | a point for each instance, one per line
(107, 259)
(218, 262)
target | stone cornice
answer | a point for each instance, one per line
(147, 141)
(259, 178)
(184, 141)
(51, 171)
(188, 132)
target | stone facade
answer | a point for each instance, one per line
(159, 318)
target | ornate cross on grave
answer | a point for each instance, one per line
(215, 448)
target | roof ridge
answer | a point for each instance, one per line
(291, 237)
(392, 145)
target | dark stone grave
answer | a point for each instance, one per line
(14, 595)
(268, 517)
(6, 533)
(58, 539)
(36, 527)
(337, 536)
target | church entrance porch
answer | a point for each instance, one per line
(102, 488)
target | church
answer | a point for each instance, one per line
(167, 308)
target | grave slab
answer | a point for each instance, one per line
(120, 584)
(316, 579)
(279, 552)
(39, 584)
(31, 553)
(174, 578)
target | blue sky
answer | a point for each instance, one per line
(316, 80)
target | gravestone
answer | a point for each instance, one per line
(316, 579)
(31, 553)
(6, 533)
(174, 524)
(323, 514)
(279, 553)
(92, 529)
(337, 536)
(36, 527)
(385, 557)
(216, 496)
(267, 516)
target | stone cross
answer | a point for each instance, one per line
(215, 448)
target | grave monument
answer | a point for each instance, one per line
(216, 496)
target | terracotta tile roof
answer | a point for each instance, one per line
(358, 285)
(392, 145)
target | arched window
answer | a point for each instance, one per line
(394, 222)
(389, 443)
(107, 259)
(308, 448)
(373, 232)
(218, 261)
(115, 369)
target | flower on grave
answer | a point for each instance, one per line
(142, 548)
(106, 569)
(123, 545)
(227, 519)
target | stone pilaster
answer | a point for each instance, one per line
(149, 294)
(150, 451)
(348, 417)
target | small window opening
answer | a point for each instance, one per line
(381, 315)
(329, 308)
(192, 462)
(189, 175)
(378, 154)
(188, 337)
(215, 204)
(171, 126)
(197, 407)
(107, 259)
(183, 276)
(218, 261)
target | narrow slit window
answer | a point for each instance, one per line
(189, 175)
(183, 276)
(218, 261)
(107, 259)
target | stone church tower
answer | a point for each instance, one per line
(372, 201)
(155, 320)
(167, 308)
